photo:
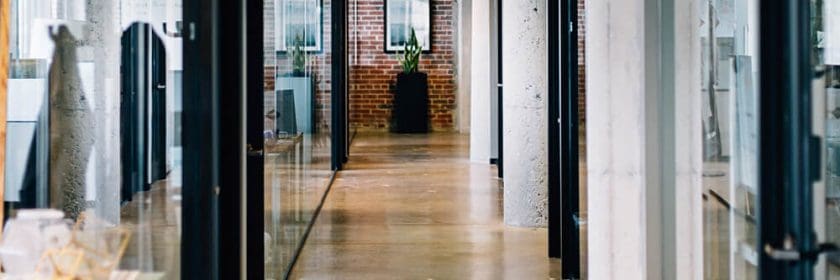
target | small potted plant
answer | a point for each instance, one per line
(301, 84)
(298, 58)
(411, 99)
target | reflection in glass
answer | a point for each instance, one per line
(303, 27)
(825, 39)
(728, 40)
(93, 117)
(296, 125)
(401, 17)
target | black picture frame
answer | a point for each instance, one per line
(426, 37)
(280, 29)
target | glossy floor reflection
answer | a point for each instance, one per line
(154, 220)
(415, 207)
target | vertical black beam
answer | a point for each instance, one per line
(199, 245)
(339, 84)
(788, 151)
(500, 161)
(564, 234)
(228, 22)
(565, 19)
(214, 139)
(555, 198)
(255, 126)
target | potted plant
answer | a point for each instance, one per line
(302, 85)
(295, 99)
(411, 99)
(298, 58)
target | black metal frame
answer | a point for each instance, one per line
(789, 154)
(555, 198)
(563, 149)
(214, 146)
(500, 136)
(200, 248)
(255, 159)
(340, 139)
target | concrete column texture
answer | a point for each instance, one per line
(615, 105)
(464, 64)
(480, 76)
(104, 38)
(71, 127)
(689, 148)
(640, 224)
(525, 76)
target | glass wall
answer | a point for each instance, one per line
(297, 123)
(825, 40)
(729, 77)
(92, 186)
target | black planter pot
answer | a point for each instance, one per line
(411, 103)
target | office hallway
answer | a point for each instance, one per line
(415, 207)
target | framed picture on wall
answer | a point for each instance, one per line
(403, 15)
(299, 23)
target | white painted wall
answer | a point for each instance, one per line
(481, 90)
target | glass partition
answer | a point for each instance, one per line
(93, 155)
(297, 124)
(825, 57)
(729, 71)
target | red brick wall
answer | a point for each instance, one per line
(373, 72)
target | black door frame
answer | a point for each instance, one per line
(216, 43)
(789, 153)
(255, 158)
(223, 151)
(563, 149)
(339, 104)
(200, 222)
(500, 136)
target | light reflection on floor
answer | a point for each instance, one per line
(415, 207)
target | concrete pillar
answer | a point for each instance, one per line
(464, 52)
(104, 38)
(525, 75)
(643, 140)
(615, 139)
(480, 87)
(71, 127)
(688, 136)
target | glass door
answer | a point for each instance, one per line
(730, 123)
(824, 31)
(770, 207)
(296, 122)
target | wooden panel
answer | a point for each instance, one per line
(4, 75)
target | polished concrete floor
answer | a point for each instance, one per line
(154, 220)
(415, 207)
